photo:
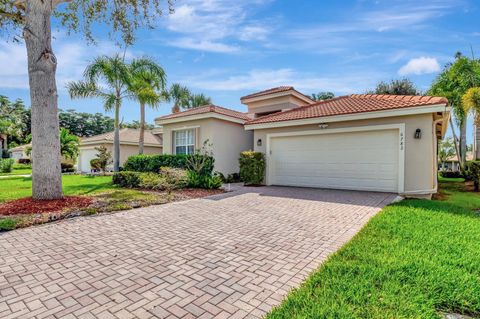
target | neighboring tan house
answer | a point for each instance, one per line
(368, 142)
(452, 164)
(20, 152)
(128, 146)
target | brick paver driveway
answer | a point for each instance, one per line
(232, 256)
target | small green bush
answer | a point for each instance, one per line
(95, 164)
(472, 173)
(127, 179)
(67, 167)
(177, 177)
(196, 180)
(252, 167)
(7, 224)
(6, 165)
(450, 174)
(153, 181)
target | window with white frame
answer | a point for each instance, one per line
(184, 141)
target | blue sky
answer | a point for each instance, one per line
(229, 48)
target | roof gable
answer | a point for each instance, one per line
(206, 109)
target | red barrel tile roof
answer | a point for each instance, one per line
(355, 103)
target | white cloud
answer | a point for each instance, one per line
(209, 25)
(421, 65)
(203, 45)
(72, 58)
(259, 79)
(253, 32)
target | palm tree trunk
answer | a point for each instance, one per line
(116, 138)
(456, 143)
(42, 65)
(463, 143)
(142, 128)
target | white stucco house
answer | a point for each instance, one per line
(20, 152)
(383, 143)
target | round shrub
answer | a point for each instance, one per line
(127, 179)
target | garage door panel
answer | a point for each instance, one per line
(360, 160)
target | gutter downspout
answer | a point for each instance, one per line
(435, 166)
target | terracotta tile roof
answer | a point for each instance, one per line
(274, 90)
(207, 109)
(355, 103)
(127, 135)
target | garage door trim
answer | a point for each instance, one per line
(401, 144)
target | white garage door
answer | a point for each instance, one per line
(356, 161)
(86, 155)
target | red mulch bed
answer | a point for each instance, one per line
(29, 205)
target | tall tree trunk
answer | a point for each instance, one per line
(116, 138)
(142, 128)
(42, 65)
(463, 143)
(456, 143)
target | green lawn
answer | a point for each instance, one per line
(414, 259)
(19, 169)
(17, 187)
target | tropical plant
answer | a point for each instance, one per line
(471, 103)
(179, 95)
(14, 120)
(102, 159)
(69, 144)
(321, 96)
(453, 83)
(446, 149)
(147, 86)
(114, 73)
(396, 87)
(197, 100)
(33, 19)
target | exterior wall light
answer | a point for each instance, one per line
(418, 133)
(259, 142)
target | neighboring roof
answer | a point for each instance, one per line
(207, 109)
(355, 103)
(454, 158)
(20, 147)
(274, 90)
(127, 136)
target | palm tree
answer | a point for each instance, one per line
(115, 74)
(148, 88)
(69, 144)
(197, 100)
(179, 94)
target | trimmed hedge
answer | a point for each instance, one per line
(153, 163)
(450, 174)
(252, 167)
